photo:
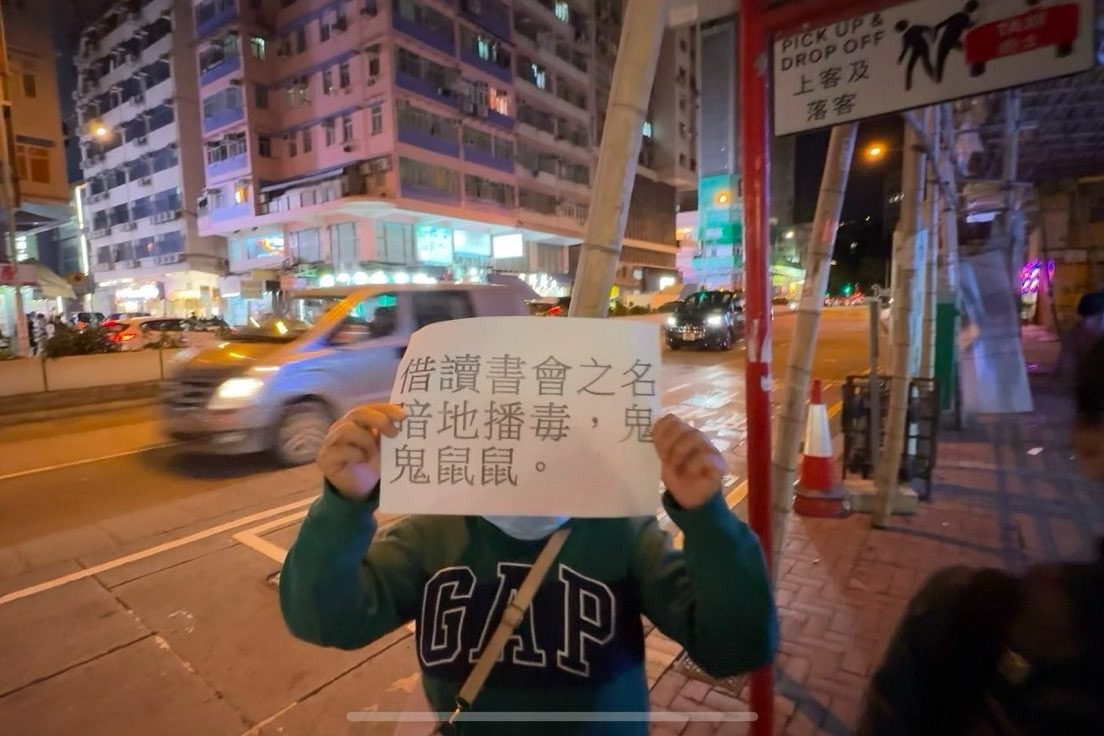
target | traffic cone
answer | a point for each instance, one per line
(817, 491)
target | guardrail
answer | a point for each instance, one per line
(38, 375)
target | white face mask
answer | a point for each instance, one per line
(528, 528)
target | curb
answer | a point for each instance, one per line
(63, 412)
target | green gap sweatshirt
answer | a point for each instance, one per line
(581, 645)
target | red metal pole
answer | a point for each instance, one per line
(752, 93)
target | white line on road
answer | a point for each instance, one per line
(252, 537)
(152, 551)
(74, 463)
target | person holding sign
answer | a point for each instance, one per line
(578, 646)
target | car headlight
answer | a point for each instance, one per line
(672, 322)
(714, 320)
(235, 393)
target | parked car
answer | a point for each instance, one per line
(135, 333)
(669, 307)
(278, 386)
(116, 316)
(711, 319)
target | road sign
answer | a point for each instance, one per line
(924, 52)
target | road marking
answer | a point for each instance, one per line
(74, 463)
(152, 551)
(252, 537)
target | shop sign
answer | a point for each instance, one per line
(471, 244)
(433, 245)
(289, 282)
(252, 289)
(509, 246)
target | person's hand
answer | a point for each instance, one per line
(692, 468)
(350, 456)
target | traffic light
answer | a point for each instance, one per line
(847, 289)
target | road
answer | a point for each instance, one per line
(121, 563)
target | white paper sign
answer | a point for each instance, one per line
(538, 416)
(923, 52)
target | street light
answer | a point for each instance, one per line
(875, 151)
(99, 130)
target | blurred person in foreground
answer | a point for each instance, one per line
(1080, 338)
(981, 652)
(580, 646)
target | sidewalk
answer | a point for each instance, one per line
(1006, 494)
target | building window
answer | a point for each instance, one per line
(298, 91)
(411, 117)
(306, 245)
(293, 149)
(257, 46)
(227, 148)
(327, 81)
(486, 190)
(343, 76)
(484, 47)
(373, 66)
(428, 176)
(264, 146)
(241, 192)
(377, 119)
(346, 128)
(30, 90)
(328, 131)
(563, 11)
(323, 30)
(308, 140)
(499, 101)
(260, 96)
(430, 72)
(301, 40)
(343, 243)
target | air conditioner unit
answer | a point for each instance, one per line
(138, 99)
(141, 140)
(134, 263)
(168, 259)
(349, 147)
(130, 225)
(146, 181)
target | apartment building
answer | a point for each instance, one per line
(364, 141)
(142, 156)
(35, 148)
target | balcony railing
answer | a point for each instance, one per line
(227, 166)
(222, 118)
(228, 65)
(228, 13)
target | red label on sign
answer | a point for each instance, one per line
(1035, 29)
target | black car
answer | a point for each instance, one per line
(711, 319)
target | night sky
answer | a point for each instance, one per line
(865, 264)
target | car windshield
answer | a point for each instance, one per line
(706, 300)
(302, 313)
(298, 316)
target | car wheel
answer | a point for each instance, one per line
(300, 433)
